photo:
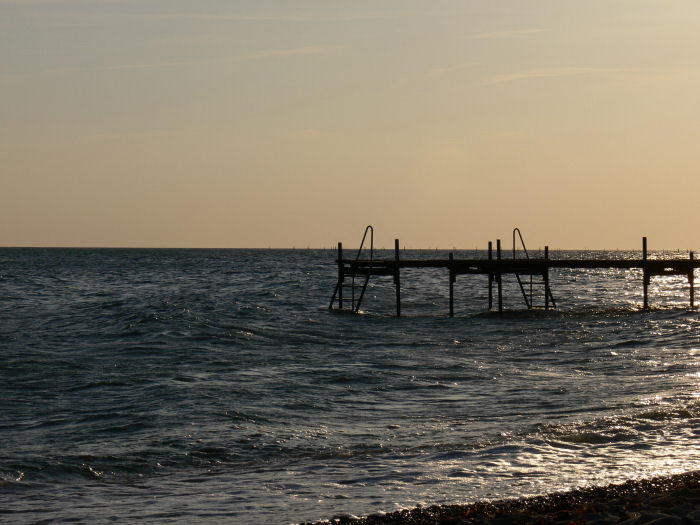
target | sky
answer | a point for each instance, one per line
(256, 123)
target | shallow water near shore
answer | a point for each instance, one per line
(182, 385)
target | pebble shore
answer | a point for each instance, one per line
(666, 500)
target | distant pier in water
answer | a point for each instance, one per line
(354, 273)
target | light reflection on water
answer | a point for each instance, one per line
(211, 385)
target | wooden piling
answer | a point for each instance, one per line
(341, 275)
(545, 276)
(452, 285)
(490, 277)
(499, 276)
(397, 278)
(691, 281)
(645, 273)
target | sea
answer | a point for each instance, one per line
(181, 386)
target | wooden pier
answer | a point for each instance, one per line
(354, 273)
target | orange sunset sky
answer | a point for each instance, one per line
(172, 123)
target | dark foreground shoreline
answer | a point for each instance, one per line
(661, 501)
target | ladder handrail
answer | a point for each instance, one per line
(521, 242)
(369, 229)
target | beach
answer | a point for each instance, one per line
(660, 500)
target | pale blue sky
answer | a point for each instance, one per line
(446, 123)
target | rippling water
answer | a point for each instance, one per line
(182, 385)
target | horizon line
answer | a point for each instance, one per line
(332, 247)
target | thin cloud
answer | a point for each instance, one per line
(291, 15)
(309, 15)
(514, 33)
(308, 50)
(553, 73)
(265, 54)
(123, 67)
(40, 2)
(446, 70)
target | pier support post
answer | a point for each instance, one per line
(341, 275)
(499, 276)
(545, 276)
(397, 278)
(490, 277)
(691, 281)
(452, 285)
(645, 272)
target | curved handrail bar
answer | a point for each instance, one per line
(369, 229)
(528, 302)
(521, 242)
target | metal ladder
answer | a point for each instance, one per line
(355, 271)
(528, 297)
(528, 300)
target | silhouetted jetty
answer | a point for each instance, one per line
(354, 273)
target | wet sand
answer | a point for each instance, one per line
(659, 501)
